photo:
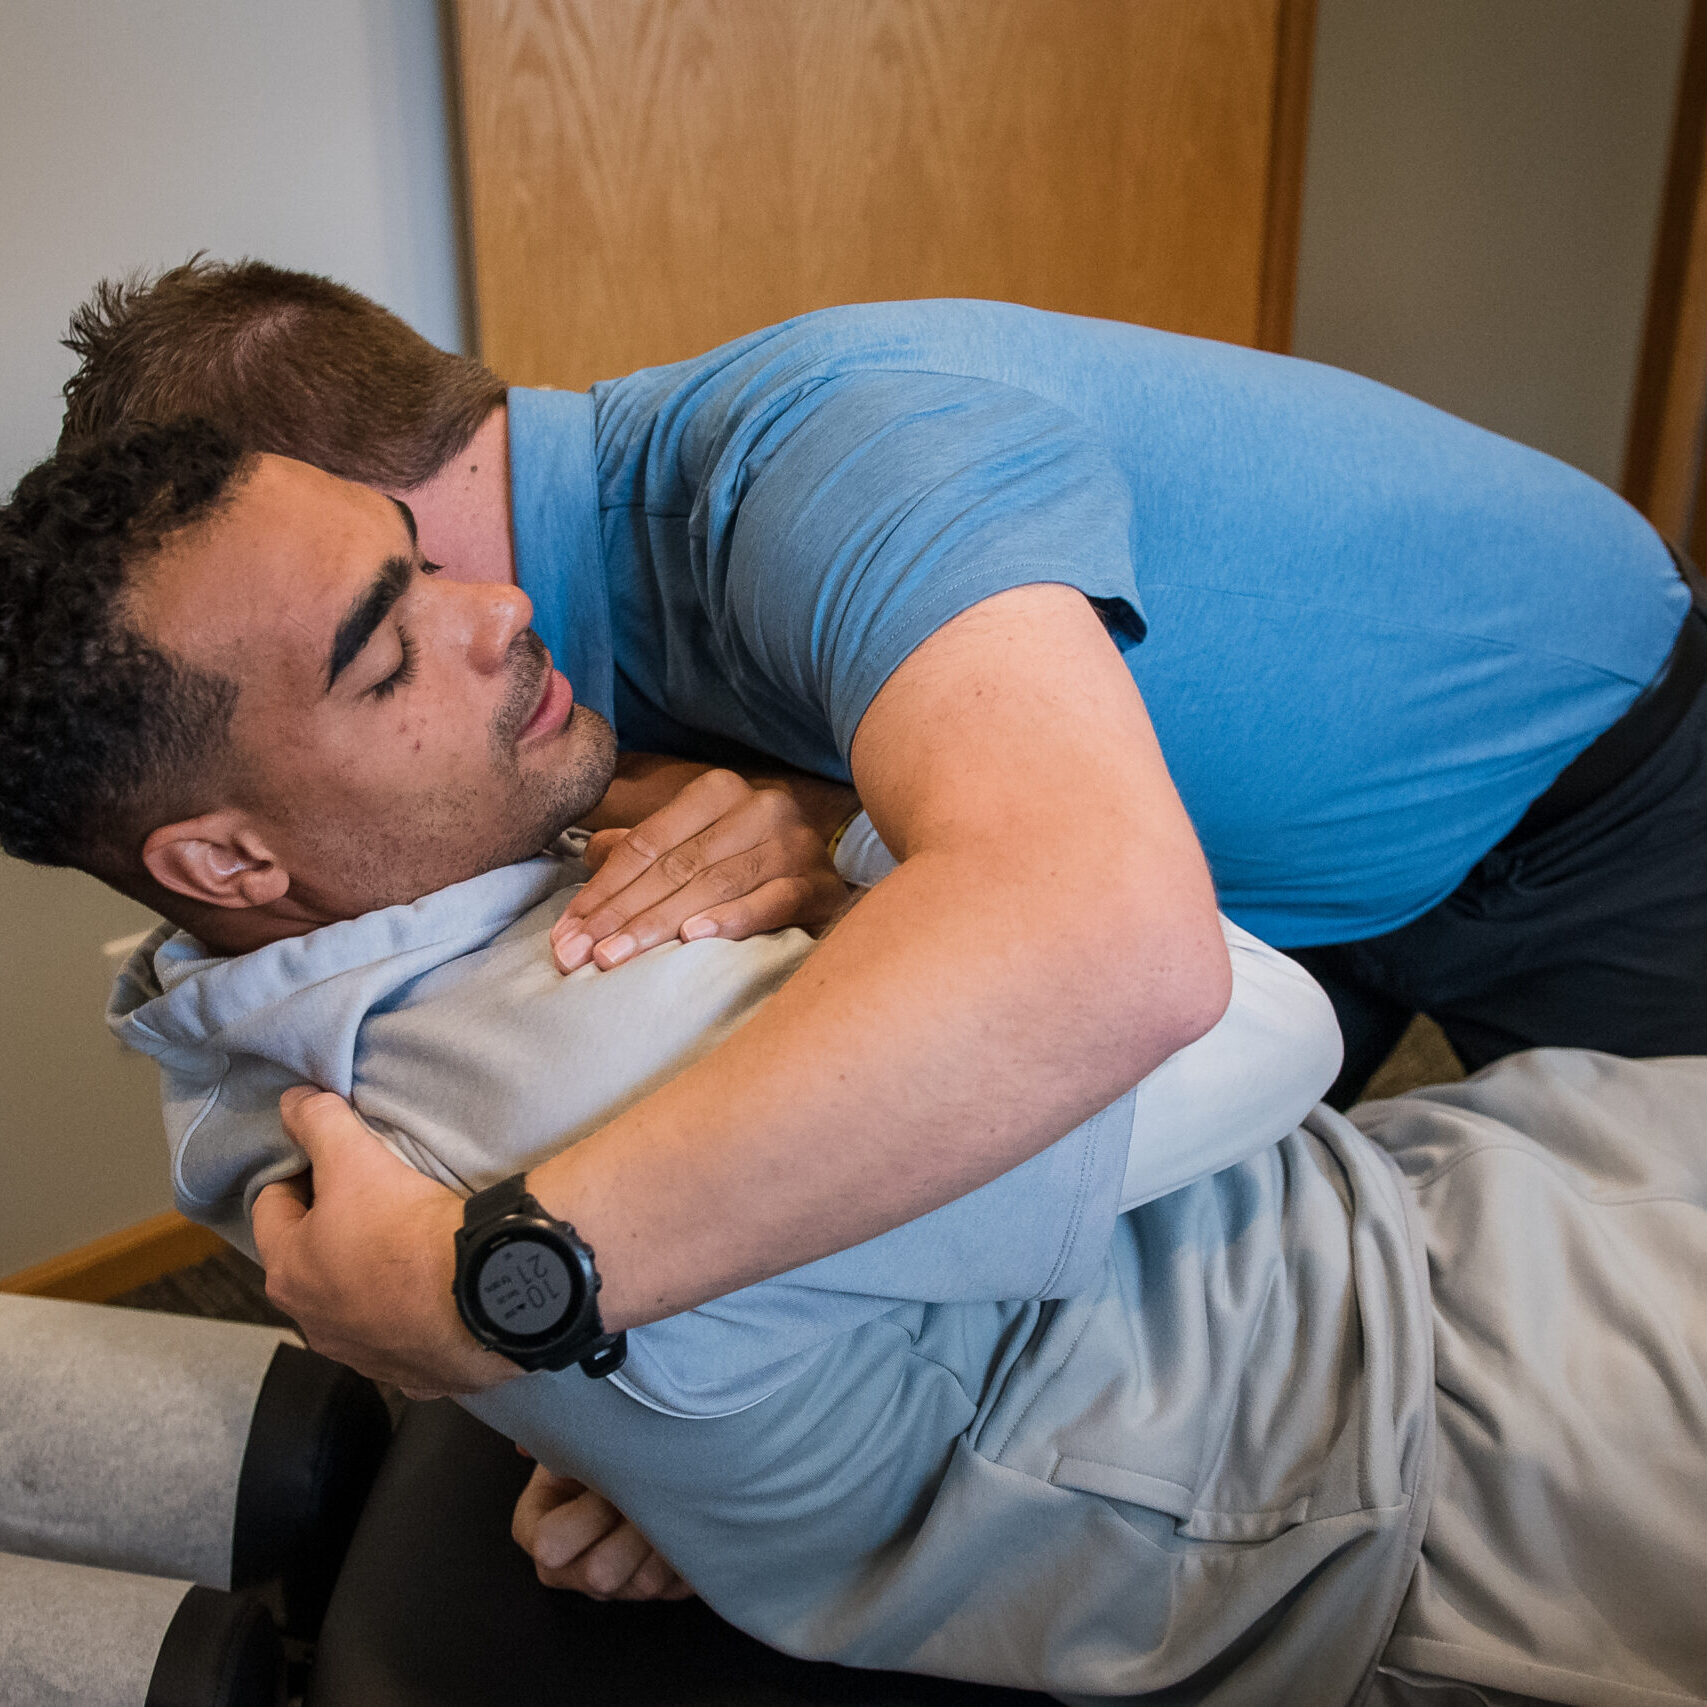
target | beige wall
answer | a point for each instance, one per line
(133, 132)
(1480, 196)
(79, 1117)
(1481, 190)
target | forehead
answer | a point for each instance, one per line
(267, 579)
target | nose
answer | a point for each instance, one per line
(493, 615)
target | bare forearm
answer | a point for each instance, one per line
(931, 1044)
(973, 1008)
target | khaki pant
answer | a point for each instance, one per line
(1564, 1197)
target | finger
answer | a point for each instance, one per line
(574, 939)
(750, 846)
(315, 1119)
(278, 1208)
(705, 801)
(781, 901)
(662, 920)
(571, 946)
(648, 875)
(611, 1563)
(567, 1530)
(600, 846)
(544, 1492)
(652, 1580)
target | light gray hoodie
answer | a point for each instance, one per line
(1027, 1438)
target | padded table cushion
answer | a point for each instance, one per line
(438, 1607)
(78, 1636)
(173, 1446)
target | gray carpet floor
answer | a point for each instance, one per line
(226, 1286)
(1422, 1057)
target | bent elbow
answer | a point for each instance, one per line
(1181, 994)
(1199, 993)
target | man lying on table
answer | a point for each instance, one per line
(1028, 1438)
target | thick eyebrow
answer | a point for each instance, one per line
(368, 610)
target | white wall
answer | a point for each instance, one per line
(1480, 198)
(132, 133)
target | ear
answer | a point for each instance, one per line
(218, 859)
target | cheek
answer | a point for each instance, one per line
(440, 749)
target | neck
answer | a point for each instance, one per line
(240, 930)
(462, 513)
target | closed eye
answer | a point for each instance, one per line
(402, 675)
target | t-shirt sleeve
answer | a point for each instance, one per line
(880, 505)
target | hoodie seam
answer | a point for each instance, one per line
(182, 1148)
(1089, 1162)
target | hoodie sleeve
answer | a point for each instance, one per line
(1040, 1231)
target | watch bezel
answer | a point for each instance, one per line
(503, 1214)
(483, 1245)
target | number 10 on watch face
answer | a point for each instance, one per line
(525, 1287)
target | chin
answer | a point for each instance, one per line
(583, 771)
(558, 794)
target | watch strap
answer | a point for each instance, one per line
(508, 1197)
(607, 1357)
(511, 1197)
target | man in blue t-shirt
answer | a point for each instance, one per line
(1427, 697)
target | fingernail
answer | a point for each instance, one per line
(570, 954)
(694, 929)
(616, 949)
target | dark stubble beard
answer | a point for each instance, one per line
(455, 835)
(569, 794)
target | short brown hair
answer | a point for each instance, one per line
(285, 362)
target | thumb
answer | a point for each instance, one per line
(278, 1210)
(317, 1121)
(600, 846)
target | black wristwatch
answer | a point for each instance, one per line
(526, 1285)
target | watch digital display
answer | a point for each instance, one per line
(525, 1287)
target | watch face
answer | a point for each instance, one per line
(525, 1288)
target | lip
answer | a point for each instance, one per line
(556, 701)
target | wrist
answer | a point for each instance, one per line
(527, 1284)
(568, 1188)
(841, 830)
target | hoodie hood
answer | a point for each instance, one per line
(232, 1033)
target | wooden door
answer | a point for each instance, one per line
(1663, 462)
(648, 178)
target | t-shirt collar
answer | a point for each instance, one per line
(554, 521)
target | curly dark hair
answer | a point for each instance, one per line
(284, 361)
(103, 735)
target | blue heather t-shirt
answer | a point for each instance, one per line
(1368, 634)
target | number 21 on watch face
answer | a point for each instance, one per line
(525, 1287)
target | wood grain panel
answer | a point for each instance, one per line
(650, 177)
(1294, 58)
(1663, 455)
(108, 1266)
